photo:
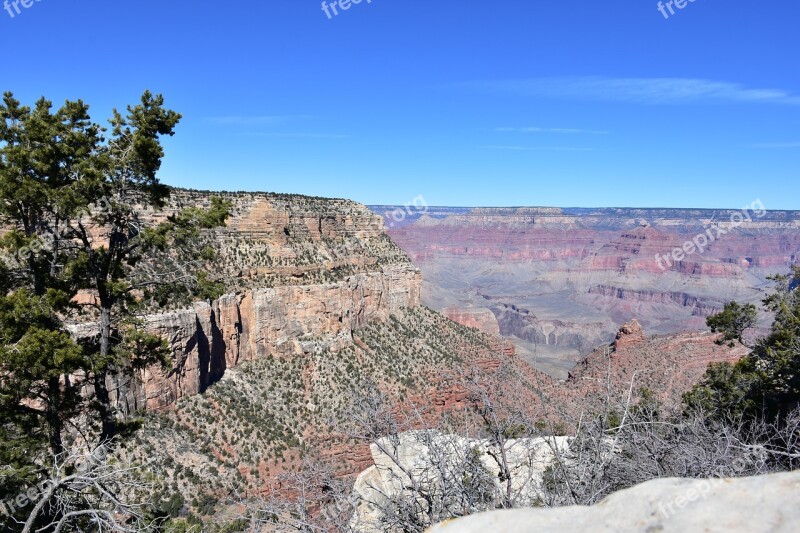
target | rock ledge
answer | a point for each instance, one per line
(755, 504)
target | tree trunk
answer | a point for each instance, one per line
(54, 425)
(108, 420)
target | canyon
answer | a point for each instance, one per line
(319, 301)
(294, 269)
(303, 275)
(559, 282)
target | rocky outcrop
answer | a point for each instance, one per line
(209, 338)
(429, 459)
(295, 269)
(746, 505)
(271, 240)
(631, 333)
(482, 319)
(667, 365)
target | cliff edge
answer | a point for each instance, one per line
(293, 268)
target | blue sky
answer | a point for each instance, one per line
(515, 102)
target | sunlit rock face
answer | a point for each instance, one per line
(561, 281)
(211, 337)
(746, 505)
(294, 268)
(480, 318)
(426, 458)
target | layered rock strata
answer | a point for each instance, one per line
(211, 337)
(562, 281)
(295, 269)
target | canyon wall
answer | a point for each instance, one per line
(296, 270)
(212, 337)
(561, 281)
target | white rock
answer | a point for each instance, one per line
(414, 453)
(752, 505)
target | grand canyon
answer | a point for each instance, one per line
(560, 282)
(323, 299)
(407, 268)
(320, 298)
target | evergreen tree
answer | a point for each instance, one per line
(78, 247)
(767, 381)
(732, 322)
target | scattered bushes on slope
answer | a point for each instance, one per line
(766, 383)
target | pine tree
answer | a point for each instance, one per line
(77, 248)
(733, 321)
(766, 382)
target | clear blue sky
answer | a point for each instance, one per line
(511, 102)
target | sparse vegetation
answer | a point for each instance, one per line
(733, 321)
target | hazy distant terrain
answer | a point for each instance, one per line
(558, 282)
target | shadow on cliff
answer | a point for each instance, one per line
(210, 353)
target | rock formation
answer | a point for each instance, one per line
(295, 268)
(428, 458)
(746, 505)
(562, 281)
(631, 333)
(667, 365)
(482, 319)
(210, 338)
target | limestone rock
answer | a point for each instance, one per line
(422, 454)
(752, 505)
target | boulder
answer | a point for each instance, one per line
(755, 504)
(428, 456)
